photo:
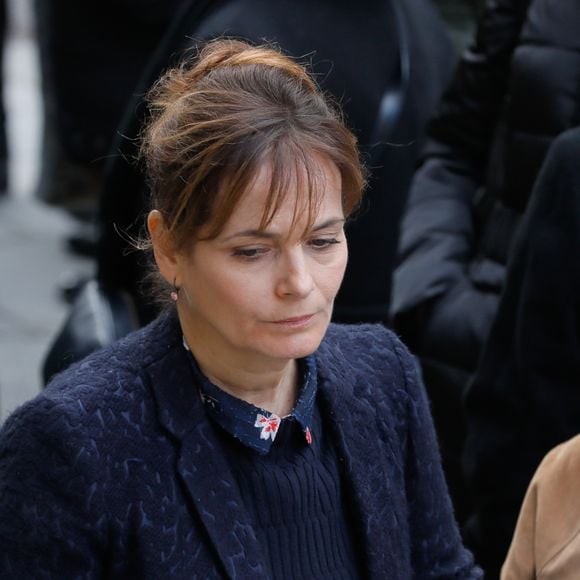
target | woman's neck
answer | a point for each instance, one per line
(270, 385)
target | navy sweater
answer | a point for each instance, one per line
(296, 503)
(115, 470)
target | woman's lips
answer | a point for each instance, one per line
(295, 322)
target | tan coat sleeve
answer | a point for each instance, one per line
(546, 543)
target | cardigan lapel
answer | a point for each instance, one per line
(202, 466)
(354, 428)
(219, 504)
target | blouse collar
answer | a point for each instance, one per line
(253, 426)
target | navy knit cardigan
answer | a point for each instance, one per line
(115, 471)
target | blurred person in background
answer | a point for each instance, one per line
(525, 396)
(546, 543)
(237, 435)
(516, 88)
(92, 55)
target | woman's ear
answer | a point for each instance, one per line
(166, 256)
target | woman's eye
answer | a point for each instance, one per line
(323, 243)
(249, 253)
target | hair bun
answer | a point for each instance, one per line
(225, 53)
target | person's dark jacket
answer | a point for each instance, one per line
(92, 54)
(525, 397)
(115, 469)
(515, 89)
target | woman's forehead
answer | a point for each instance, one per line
(297, 200)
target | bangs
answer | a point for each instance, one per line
(292, 169)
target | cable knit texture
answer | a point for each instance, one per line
(115, 470)
(295, 498)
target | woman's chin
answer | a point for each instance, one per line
(299, 345)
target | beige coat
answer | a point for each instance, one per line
(546, 543)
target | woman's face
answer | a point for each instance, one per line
(264, 294)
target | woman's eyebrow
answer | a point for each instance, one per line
(270, 235)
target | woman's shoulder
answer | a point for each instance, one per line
(547, 536)
(563, 456)
(356, 337)
(93, 393)
(369, 350)
(344, 331)
(558, 474)
(558, 501)
(365, 340)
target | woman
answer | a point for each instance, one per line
(237, 435)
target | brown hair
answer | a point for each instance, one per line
(215, 119)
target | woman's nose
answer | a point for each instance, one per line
(294, 278)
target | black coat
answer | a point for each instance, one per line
(386, 61)
(525, 397)
(92, 55)
(516, 88)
